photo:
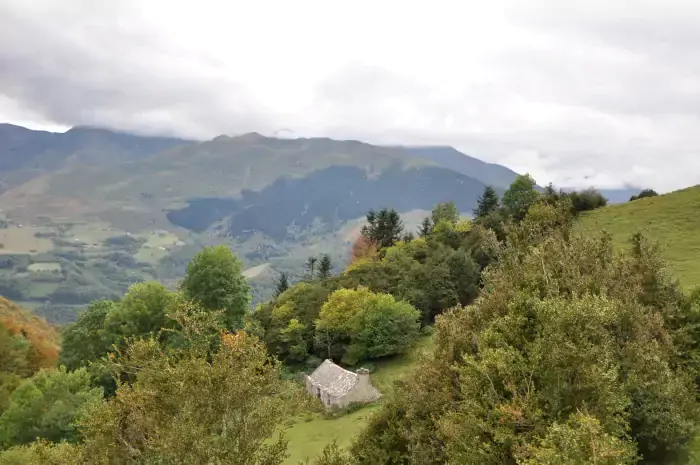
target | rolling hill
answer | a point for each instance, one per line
(672, 220)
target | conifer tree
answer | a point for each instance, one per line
(383, 227)
(324, 267)
(487, 203)
(282, 284)
(426, 227)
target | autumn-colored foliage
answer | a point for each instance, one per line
(43, 337)
(364, 249)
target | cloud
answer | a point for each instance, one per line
(579, 93)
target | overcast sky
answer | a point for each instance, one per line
(578, 93)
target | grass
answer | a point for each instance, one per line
(310, 433)
(22, 240)
(158, 245)
(671, 220)
(45, 267)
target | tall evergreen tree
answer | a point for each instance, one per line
(310, 267)
(324, 267)
(426, 227)
(282, 284)
(383, 227)
(487, 203)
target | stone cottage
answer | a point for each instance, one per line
(337, 387)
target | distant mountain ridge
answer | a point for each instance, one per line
(25, 153)
(491, 174)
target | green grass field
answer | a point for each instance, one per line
(671, 220)
(310, 433)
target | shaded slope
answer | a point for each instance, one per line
(222, 167)
(333, 195)
(673, 220)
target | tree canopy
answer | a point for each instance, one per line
(214, 279)
(383, 227)
(570, 354)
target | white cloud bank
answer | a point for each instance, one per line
(579, 93)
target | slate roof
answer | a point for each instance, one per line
(333, 379)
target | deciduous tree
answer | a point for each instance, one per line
(214, 279)
(520, 196)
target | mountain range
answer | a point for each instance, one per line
(89, 211)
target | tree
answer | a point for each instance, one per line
(46, 406)
(643, 194)
(310, 266)
(214, 279)
(383, 227)
(446, 211)
(142, 311)
(363, 250)
(581, 440)
(85, 340)
(301, 302)
(373, 324)
(334, 322)
(325, 267)
(383, 327)
(14, 363)
(293, 337)
(487, 203)
(426, 227)
(587, 199)
(192, 405)
(282, 284)
(520, 196)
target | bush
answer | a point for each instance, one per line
(643, 194)
(586, 200)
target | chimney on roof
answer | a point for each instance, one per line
(363, 375)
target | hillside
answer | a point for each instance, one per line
(220, 168)
(492, 174)
(74, 232)
(42, 336)
(672, 220)
(26, 154)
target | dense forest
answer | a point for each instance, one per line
(551, 348)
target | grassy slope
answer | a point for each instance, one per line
(311, 433)
(672, 220)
